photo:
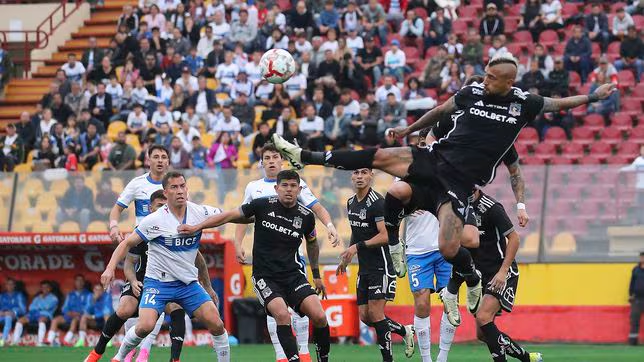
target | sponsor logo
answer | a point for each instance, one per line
(520, 94)
(279, 229)
(358, 224)
(477, 91)
(414, 268)
(261, 284)
(480, 104)
(508, 295)
(515, 109)
(152, 290)
(271, 214)
(334, 316)
(182, 241)
(302, 286)
(493, 116)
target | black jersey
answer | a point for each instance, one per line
(442, 128)
(363, 216)
(484, 129)
(494, 225)
(140, 250)
(278, 234)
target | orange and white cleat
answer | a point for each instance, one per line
(93, 357)
(305, 357)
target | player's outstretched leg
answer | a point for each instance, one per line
(146, 345)
(312, 308)
(301, 327)
(127, 307)
(271, 324)
(279, 311)
(134, 336)
(177, 332)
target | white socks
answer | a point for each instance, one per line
(149, 340)
(130, 341)
(222, 348)
(423, 334)
(189, 337)
(301, 326)
(42, 329)
(81, 336)
(131, 322)
(446, 339)
(51, 336)
(17, 333)
(271, 323)
(69, 336)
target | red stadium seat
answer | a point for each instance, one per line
(555, 135)
(514, 10)
(511, 26)
(572, 149)
(570, 9)
(460, 26)
(632, 107)
(584, 88)
(431, 92)
(574, 79)
(596, 51)
(618, 160)
(579, 112)
(516, 50)
(561, 160)
(617, 5)
(468, 12)
(583, 136)
(431, 52)
(421, 12)
(637, 134)
(284, 4)
(600, 149)
(626, 79)
(522, 149)
(638, 20)
(522, 37)
(621, 121)
(613, 48)
(545, 150)
(629, 148)
(611, 136)
(590, 160)
(638, 92)
(528, 136)
(549, 38)
(532, 160)
(412, 54)
(595, 122)
(559, 49)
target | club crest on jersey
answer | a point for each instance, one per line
(515, 109)
(363, 214)
(297, 222)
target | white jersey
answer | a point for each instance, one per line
(172, 256)
(139, 190)
(421, 233)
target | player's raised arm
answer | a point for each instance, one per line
(429, 119)
(557, 104)
(234, 216)
(119, 253)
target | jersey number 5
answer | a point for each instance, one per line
(414, 279)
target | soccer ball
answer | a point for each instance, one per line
(277, 66)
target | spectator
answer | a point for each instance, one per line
(162, 116)
(531, 19)
(180, 44)
(155, 19)
(412, 27)
(203, 99)
(323, 108)
(597, 26)
(70, 159)
(223, 153)
(101, 104)
(544, 60)
(354, 41)
(473, 51)
(72, 312)
(281, 124)
(561, 119)
(439, 28)
(74, 98)
(393, 113)
(226, 73)
(103, 72)
(374, 105)
(395, 61)
(329, 68)
(77, 204)
(558, 78)
(41, 310)
(92, 55)
(198, 154)
(11, 149)
(453, 80)
(89, 147)
(350, 18)
(631, 52)
(373, 20)
(607, 106)
(293, 133)
(245, 113)
(262, 137)
(312, 126)
(48, 98)
(317, 53)
(301, 20)
(128, 73)
(190, 117)
(351, 107)
(104, 148)
(430, 77)
(578, 52)
(253, 70)
(97, 310)
(115, 90)
(219, 28)
(163, 136)
(148, 75)
(492, 24)
(364, 128)
(454, 48)
(328, 19)
(227, 124)
(636, 298)
(370, 59)
(533, 78)
(13, 305)
(389, 141)
(331, 42)
(179, 157)
(621, 22)
(385, 89)
(336, 127)
(27, 132)
(57, 138)
(178, 17)
(551, 15)
(47, 123)
(128, 18)
(86, 119)
(186, 134)
(205, 44)
(59, 110)
(187, 81)
(609, 71)
(242, 32)
(74, 70)
(122, 155)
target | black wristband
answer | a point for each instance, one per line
(592, 98)
(316, 273)
(361, 245)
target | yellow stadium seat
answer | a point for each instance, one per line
(98, 166)
(258, 113)
(211, 83)
(207, 139)
(81, 167)
(222, 97)
(97, 227)
(47, 202)
(69, 227)
(117, 185)
(118, 71)
(30, 156)
(271, 122)
(114, 128)
(42, 227)
(195, 184)
(58, 187)
(564, 243)
(133, 140)
(23, 167)
(530, 244)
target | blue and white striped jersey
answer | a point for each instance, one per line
(139, 190)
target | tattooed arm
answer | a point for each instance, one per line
(428, 119)
(518, 187)
(557, 104)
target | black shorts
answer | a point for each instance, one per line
(293, 289)
(434, 182)
(505, 297)
(127, 290)
(375, 287)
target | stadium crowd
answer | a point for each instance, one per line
(186, 74)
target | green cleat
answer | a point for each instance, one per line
(536, 357)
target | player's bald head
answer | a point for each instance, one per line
(500, 74)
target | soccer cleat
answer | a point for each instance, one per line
(289, 151)
(306, 357)
(144, 354)
(409, 340)
(398, 258)
(93, 357)
(79, 343)
(1, 343)
(474, 295)
(282, 360)
(450, 306)
(536, 357)
(130, 356)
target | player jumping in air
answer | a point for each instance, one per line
(171, 275)
(487, 120)
(376, 278)
(265, 187)
(278, 279)
(498, 247)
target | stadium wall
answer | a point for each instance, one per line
(578, 303)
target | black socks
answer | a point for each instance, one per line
(383, 334)
(113, 325)
(396, 327)
(514, 350)
(322, 340)
(394, 209)
(496, 343)
(463, 267)
(177, 332)
(346, 160)
(288, 342)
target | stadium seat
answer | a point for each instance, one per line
(522, 149)
(465, 12)
(563, 244)
(545, 149)
(530, 244)
(637, 134)
(626, 79)
(621, 121)
(572, 149)
(532, 160)
(561, 160)
(638, 92)
(555, 135)
(632, 107)
(570, 9)
(549, 38)
(628, 148)
(42, 227)
(430, 52)
(611, 135)
(594, 122)
(69, 227)
(619, 160)
(114, 128)
(583, 135)
(97, 227)
(589, 160)
(420, 12)
(529, 136)
(522, 37)
(574, 79)
(459, 26)
(617, 5)
(511, 26)
(600, 149)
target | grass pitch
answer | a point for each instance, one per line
(339, 353)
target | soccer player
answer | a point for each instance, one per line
(278, 279)
(171, 275)
(12, 305)
(376, 279)
(41, 310)
(97, 310)
(72, 310)
(487, 120)
(272, 164)
(498, 247)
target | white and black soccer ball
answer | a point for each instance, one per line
(277, 66)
